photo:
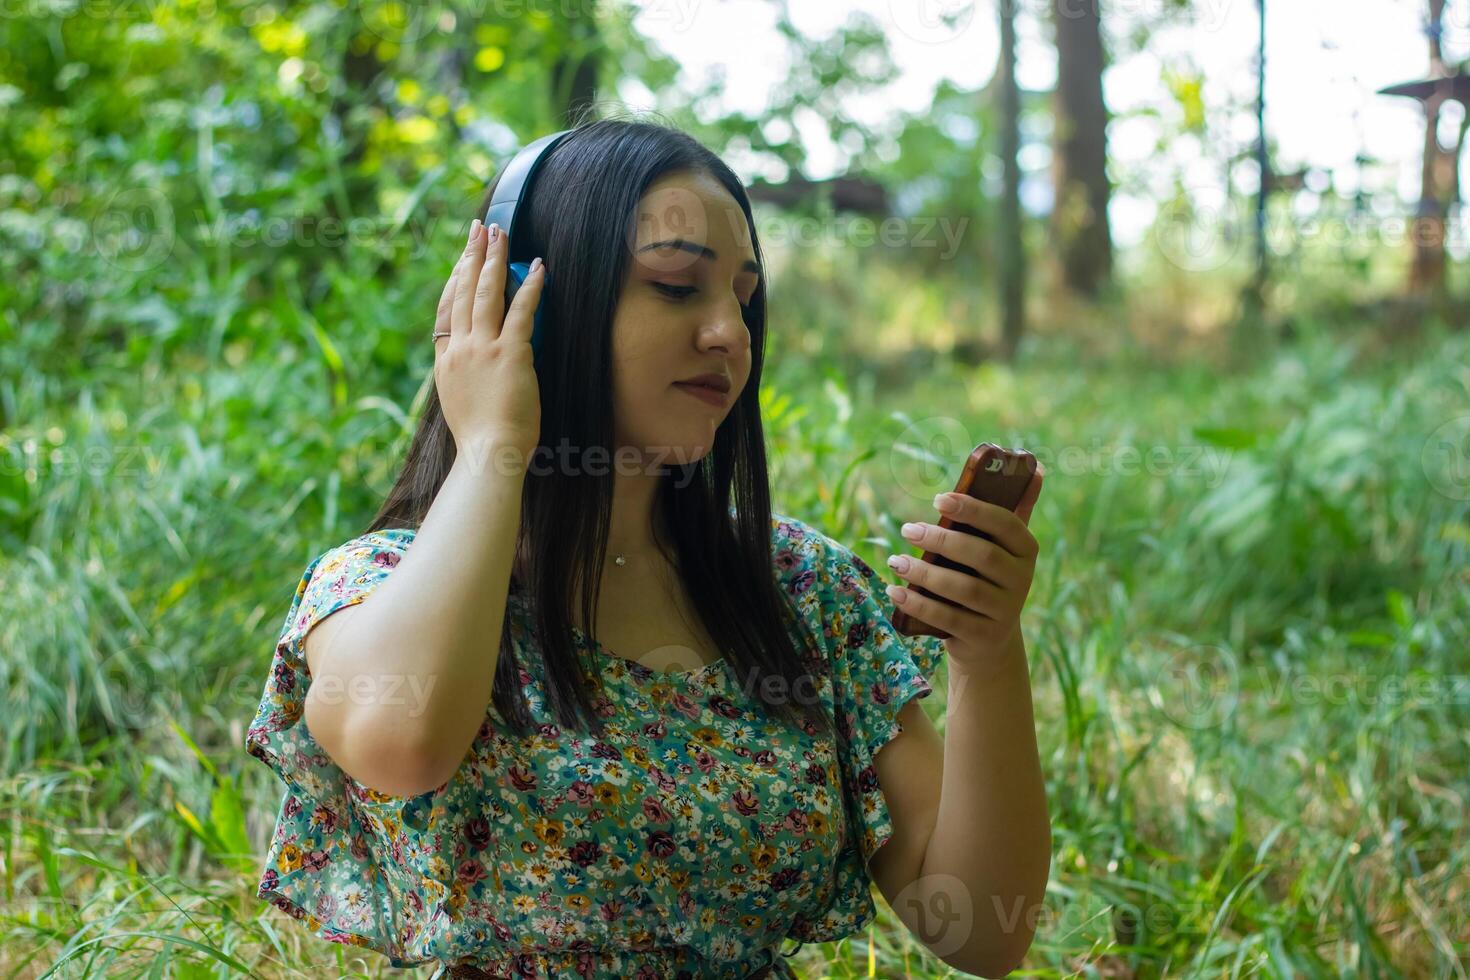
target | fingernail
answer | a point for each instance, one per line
(899, 563)
(474, 227)
(536, 263)
(494, 230)
(912, 531)
(897, 593)
(946, 503)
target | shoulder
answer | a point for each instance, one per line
(340, 576)
(807, 558)
(797, 544)
(845, 600)
(373, 551)
(347, 571)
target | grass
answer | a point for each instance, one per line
(1249, 652)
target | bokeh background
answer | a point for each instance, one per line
(223, 230)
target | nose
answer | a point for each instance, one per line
(727, 331)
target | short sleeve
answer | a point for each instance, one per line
(875, 671)
(325, 864)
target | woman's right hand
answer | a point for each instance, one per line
(484, 370)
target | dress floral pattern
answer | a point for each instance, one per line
(690, 840)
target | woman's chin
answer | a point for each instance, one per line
(681, 453)
(686, 454)
(678, 449)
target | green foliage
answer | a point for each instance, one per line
(222, 231)
(1314, 549)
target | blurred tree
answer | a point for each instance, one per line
(1253, 296)
(824, 78)
(574, 71)
(189, 165)
(355, 106)
(1439, 171)
(1079, 218)
(1426, 273)
(1011, 245)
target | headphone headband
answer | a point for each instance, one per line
(511, 189)
(515, 181)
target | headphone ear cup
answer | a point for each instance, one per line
(516, 274)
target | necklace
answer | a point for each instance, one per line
(620, 559)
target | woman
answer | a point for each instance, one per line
(680, 770)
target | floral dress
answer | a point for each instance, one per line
(690, 840)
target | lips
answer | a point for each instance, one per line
(718, 382)
(704, 393)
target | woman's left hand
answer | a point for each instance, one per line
(988, 617)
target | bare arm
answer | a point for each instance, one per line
(401, 681)
(401, 685)
(967, 865)
(970, 812)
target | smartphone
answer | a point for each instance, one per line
(992, 474)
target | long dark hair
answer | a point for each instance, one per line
(580, 218)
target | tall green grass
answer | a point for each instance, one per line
(1236, 787)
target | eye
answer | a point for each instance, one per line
(678, 292)
(681, 292)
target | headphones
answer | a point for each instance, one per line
(513, 188)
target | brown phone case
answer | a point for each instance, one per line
(992, 474)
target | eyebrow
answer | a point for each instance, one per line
(703, 251)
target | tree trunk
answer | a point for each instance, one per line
(1011, 249)
(574, 73)
(1426, 272)
(353, 108)
(1079, 222)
